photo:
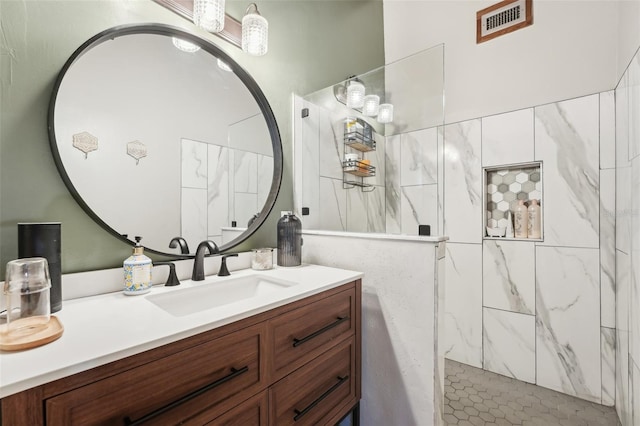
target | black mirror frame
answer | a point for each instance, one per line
(249, 82)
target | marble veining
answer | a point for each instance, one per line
(607, 248)
(376, 210)
(419, 151)
(509, 275)
(509, 341)
(608, 363)
(567, 136)
(567, 331)
(194, 164)
(356, 210)
(333, 210)
(245, 171)
(419, 206)
(462, 184)
(331, 143)
(218, 189)
(392, 184)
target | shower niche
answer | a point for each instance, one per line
(504, 187)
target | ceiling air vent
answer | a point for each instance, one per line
(503, 18)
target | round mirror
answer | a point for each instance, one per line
(158, 133)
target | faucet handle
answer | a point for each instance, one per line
(224, 271)
(172, 279)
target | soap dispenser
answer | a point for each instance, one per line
(137, 271)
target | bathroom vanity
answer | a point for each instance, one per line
(286, 356)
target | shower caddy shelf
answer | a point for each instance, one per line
(358, 136)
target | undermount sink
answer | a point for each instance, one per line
(213, 293)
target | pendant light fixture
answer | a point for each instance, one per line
(209, 14)
(371, 105)
(355, 94)
(255, 32)
(185, 46)
(385, 113)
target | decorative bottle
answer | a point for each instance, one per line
(520, 220)
(534, 220)
(137, 271)
(289, 240)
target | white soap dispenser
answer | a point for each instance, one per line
(137, 271)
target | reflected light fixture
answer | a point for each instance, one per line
(385, 113)
(355, 94)
(184, 45)
(371, 105)
(209, 14)
(255, 32)
(223, 65)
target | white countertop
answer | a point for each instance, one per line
(108, 327)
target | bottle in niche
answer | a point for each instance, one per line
(509, 231)
(289, 240)
(520, 220)
(137, 271)
(534, 220)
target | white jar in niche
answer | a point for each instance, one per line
(533, 229)
(520, 220)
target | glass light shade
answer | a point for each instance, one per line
(209, 14)
(371, 105)
(385, 113)
(255, 34)
(223, 65)
(184, 45)
(355, 94)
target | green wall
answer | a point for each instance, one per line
(312, 44)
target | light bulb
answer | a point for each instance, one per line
(371, 105)
(255, 32)
(355, 94)
(209, 14)
(385, 113)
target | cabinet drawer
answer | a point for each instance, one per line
(253, 412)
(302, 334)
(223, 371)
(317, 391)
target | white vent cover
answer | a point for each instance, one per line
(502, 18)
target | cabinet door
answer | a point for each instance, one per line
(219, 373)
(323, 389)
(302, 334)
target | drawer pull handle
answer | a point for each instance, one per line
(338, 321)
(234, 373)
(300, 413)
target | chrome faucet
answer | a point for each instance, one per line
(198, 262)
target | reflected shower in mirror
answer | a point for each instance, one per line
(163, 141)
(392, 185)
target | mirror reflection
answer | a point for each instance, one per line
(162, 141)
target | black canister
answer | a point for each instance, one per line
(43, 240)
(289, 240)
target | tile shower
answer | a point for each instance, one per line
(539, 311)
(561, 312)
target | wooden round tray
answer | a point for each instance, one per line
(19, 341)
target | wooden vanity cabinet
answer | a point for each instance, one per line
(296, 364)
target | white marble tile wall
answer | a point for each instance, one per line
(463, 182)
(627, 243)
(333, 209)
(265, 177)
(509, 344)
(607, 130)
(418, 157)
(393, 192)
(194, 164)
(508, 275)
(419, 206)
(309, 145)
(217, 189)
(567, 331)
(463, 303)
(566, 140)
(508, 138)
(607, 248)
(608, 365)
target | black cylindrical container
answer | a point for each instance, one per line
(289, 240)
(43, 240)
